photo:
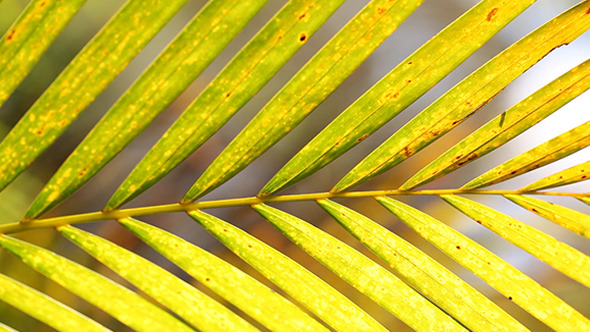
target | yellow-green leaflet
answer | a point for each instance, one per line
(541, 155)
(126, 306)
(246, 293)
(559, 255)
(312, 292)
(441, 286)
(507, 125)
(567, 176)
(101, 60)
(513, 284)
(44, 308)
(365, 275)
(573, 220)
(307, 89)
(398, 89)
(5, 328)
(209, 32)
(29, 37)
(239, 81)
(469, 96)
(190, 304)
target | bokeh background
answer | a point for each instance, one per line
(430, 18)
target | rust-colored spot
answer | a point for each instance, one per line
(410, 63)
(478, 221)
(11, 35)
(301, 17)
(279, 37)
(362, 138)
(534, 210)
(303, 37)
(409, 81)
(459, 247)
(588, 11)
(228, 94)
(380, 11)
(63, 123)
(407, 151)
(207, 279)
(42, 4)
(510, 298)
(491, 14)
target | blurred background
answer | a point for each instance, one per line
(430, 18)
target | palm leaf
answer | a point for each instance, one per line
(349, 269)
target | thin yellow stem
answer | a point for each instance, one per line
(177, 207)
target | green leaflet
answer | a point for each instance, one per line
(541, 155)
(246, 293)
(239, 81)
(182, 61)
(126, 306)
(365, 275)
(103, 58)
(571, 175)
(306, 90)
(507, 125)
(398, 89)
(44, 308)
(445, 289)
(469, 96)
(509, 281)
(571, 219)
(557, 254)
(196, 308)
(312, 292)
(29, 37)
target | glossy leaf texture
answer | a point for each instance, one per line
(469, 96)
(362, 273)
(323, 257)
(199, 310)
(507, 125)
(249, 295)
(22, 45)
(183, 60)
(509, 281)
(559, 147)
(568, 218)
(243, 77)
(306, 90)
(126, 306)
(568, 176)
(430, 278)
(398, 89)
(323, 300)
(103, 58)
(44, 308)
(546, 248)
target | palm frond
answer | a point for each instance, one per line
(298, 270)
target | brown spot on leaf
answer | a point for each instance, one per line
(302, 16)
(588, 11)
(510, 298)
(11, 35)
(362, 138)
(491, 14)
(380, 11)
(42, 4)
(228, 94)
(303, 37)
(459, 247)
